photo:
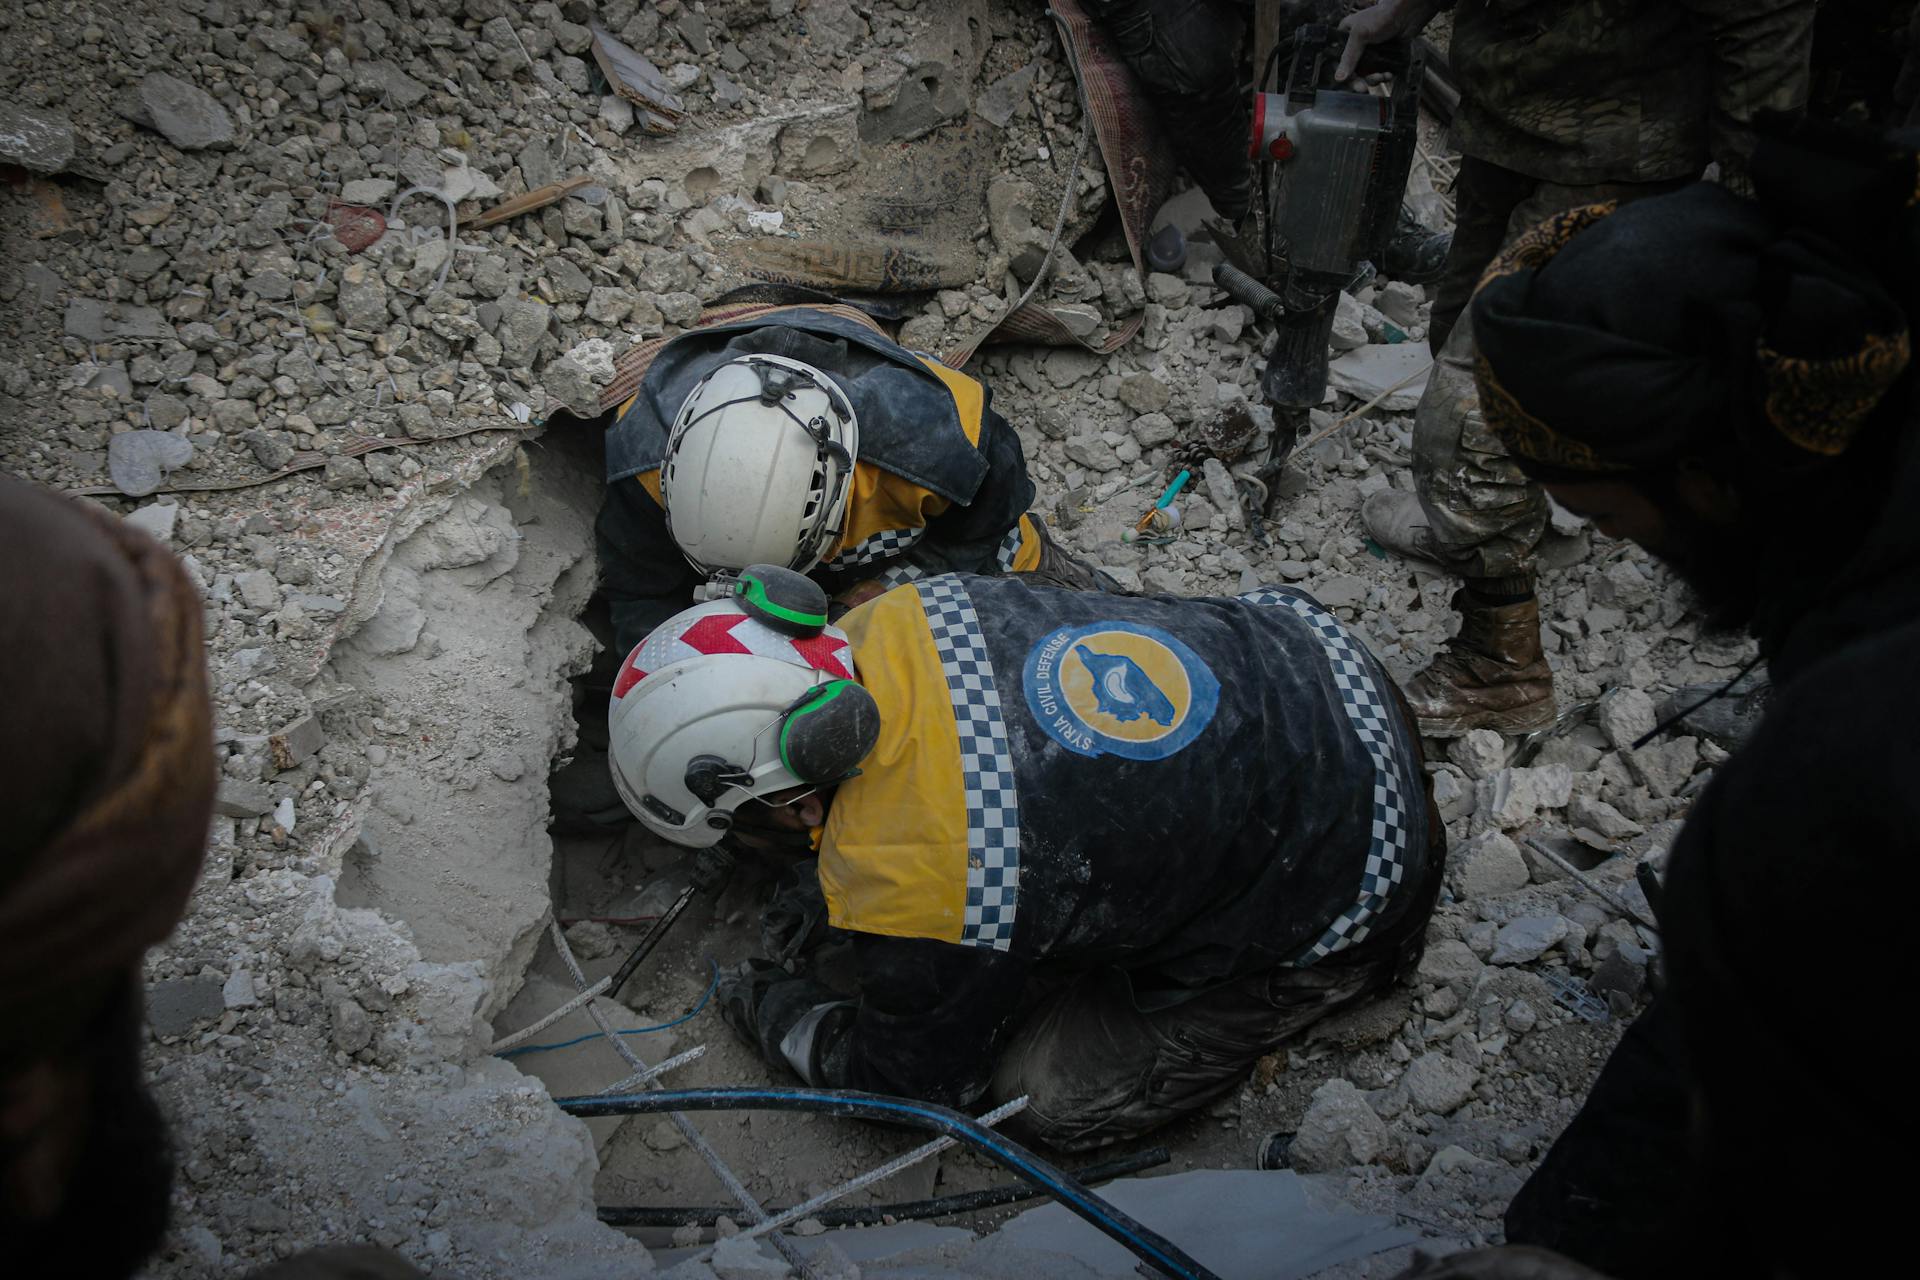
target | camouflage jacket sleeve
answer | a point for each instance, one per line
(1759, 51)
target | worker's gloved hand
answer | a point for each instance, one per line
(763, 1003)
(1507, 1262)
(795, 922)
(741, 991)
(1381, 21)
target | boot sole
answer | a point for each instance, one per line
(1513, 721)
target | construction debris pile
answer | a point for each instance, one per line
(252, 300)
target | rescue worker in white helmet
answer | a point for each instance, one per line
(803, 437)
(1102, 851)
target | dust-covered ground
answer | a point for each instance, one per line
(350, 449)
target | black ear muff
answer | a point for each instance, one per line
(789, 602)
(826, 734)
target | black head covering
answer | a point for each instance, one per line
(1696, 323)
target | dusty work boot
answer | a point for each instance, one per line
(1493, 675)
(1415, 255)
(1395, 519)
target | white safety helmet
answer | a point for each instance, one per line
(727, 702)
(758, 465)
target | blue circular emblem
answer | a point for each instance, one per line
(1119, 688)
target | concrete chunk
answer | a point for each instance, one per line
(184, 114)
(298, 741)
(34, 139)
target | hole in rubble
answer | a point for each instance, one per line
(607, 879)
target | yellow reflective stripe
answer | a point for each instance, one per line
(880, 502)
(1028, 556)
(624, 406)
(893, 857)
(969, 397)
(650, 481)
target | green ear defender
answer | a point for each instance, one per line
(828, 731)
(789, 602)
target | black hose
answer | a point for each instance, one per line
(874, 1214)
(1144, 1243)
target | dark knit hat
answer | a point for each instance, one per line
(1690, 324)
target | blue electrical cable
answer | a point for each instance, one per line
(1142, 1241)
(636, 1031)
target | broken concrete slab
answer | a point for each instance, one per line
(238, 798)
(581, 1070)
(1008, 96)
(34, 138)
(184, 114)
(1228, 1220)
(387, 84)
(299, 741)
(633, 77)
(95, 320)
(1339, 1130)
(1439, 1084)
(174, 1005)
(156, 518)
(1528, 938)
(1487, 865)
(1370, 370)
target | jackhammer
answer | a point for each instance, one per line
(1333, 167)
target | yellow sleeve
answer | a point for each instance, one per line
(893, 857)
(650, 481)
(969, 397)
(1027, 556)
(881, 502)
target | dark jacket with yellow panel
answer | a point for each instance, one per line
(940, 485)
(1188, 790)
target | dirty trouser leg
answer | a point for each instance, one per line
(1187, 55)
(1487, 517)
(1098, 1070)
(1484, 196)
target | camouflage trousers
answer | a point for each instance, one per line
(1487, 517)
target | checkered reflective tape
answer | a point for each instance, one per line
(986, 764)
(888, 542)
(895, 574)
(1009, 548)
(1367, 711)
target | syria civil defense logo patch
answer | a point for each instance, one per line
(1119, 688)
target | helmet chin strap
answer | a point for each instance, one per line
(778, 837)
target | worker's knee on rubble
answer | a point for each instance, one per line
(1083, 1060)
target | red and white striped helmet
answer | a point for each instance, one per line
(711, 682)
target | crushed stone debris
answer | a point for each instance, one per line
(260, 342)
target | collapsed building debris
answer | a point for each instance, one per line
(348, 424)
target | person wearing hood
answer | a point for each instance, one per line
(1729, 384)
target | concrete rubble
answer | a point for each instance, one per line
(392, 630)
